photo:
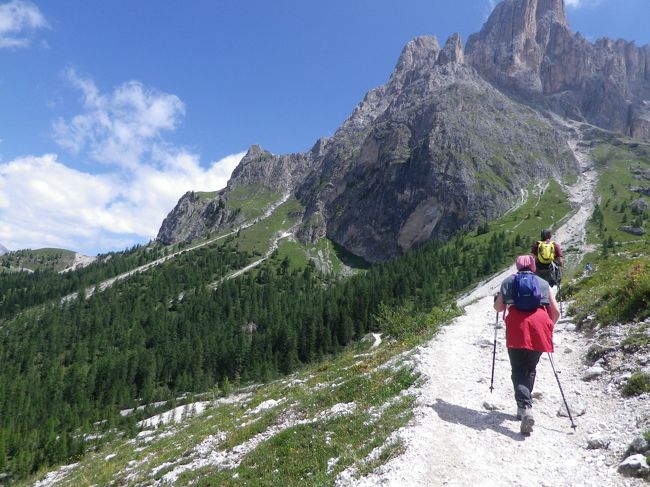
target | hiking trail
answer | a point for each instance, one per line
(102, 286)
(463, 435)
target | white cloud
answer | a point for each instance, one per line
(44, 203)
(119, 128)
(18, 18)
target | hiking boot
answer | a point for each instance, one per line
(520, 413)
(527, 422)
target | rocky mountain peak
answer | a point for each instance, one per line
(452, 52)
(527, 49)
(420, 54)
(254, 151)
(512, 43)
(3, 250)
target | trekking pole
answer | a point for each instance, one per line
(559, 292)
(573, 425)
(494, 352)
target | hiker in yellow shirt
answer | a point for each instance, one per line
(548, 258)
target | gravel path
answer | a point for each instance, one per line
(463, 435)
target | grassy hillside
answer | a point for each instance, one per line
(251, 200)
(616, 292)
(624, 195)
(39, 259)
(302, 430)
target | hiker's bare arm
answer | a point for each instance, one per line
(553, 308)
(499, 305)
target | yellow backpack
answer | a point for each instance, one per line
(545, 252)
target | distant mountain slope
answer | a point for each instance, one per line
(435, 150)
(38, 259)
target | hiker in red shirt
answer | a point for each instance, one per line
(529, 332)
(548, 258)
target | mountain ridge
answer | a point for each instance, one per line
(360, 186)
(410, 138)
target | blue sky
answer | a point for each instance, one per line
(110, 111)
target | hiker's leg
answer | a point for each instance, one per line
(530, 360)
(520, 377)
(546, 275)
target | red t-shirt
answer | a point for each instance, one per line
(529, 330)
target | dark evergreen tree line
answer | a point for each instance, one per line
(164, 332)
(22, 290)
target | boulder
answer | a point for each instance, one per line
(638, 231)
(638, 445)
(598, 441)
(577, 409)
(639, 206)
(634, 466)
(593, 373)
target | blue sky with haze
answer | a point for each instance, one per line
(110, 111)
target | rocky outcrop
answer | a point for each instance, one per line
(3, 250)
(441, 150)
(452, 53)
(527, 48)
(261, 168)
(195, 216)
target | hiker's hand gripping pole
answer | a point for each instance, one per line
(568, 410)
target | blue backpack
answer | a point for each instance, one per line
(525, 292)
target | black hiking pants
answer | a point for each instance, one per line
(523, 363)
(547, 272)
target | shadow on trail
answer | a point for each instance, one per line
(478, 420)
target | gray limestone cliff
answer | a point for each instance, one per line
(195, 216)
(444, 150)
(527, 48)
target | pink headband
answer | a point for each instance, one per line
(526, 261)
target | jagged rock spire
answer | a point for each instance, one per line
(452, 52)
(552, 9)
(419, 54)
(513, 41)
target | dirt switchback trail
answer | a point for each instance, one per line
(463, 435)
